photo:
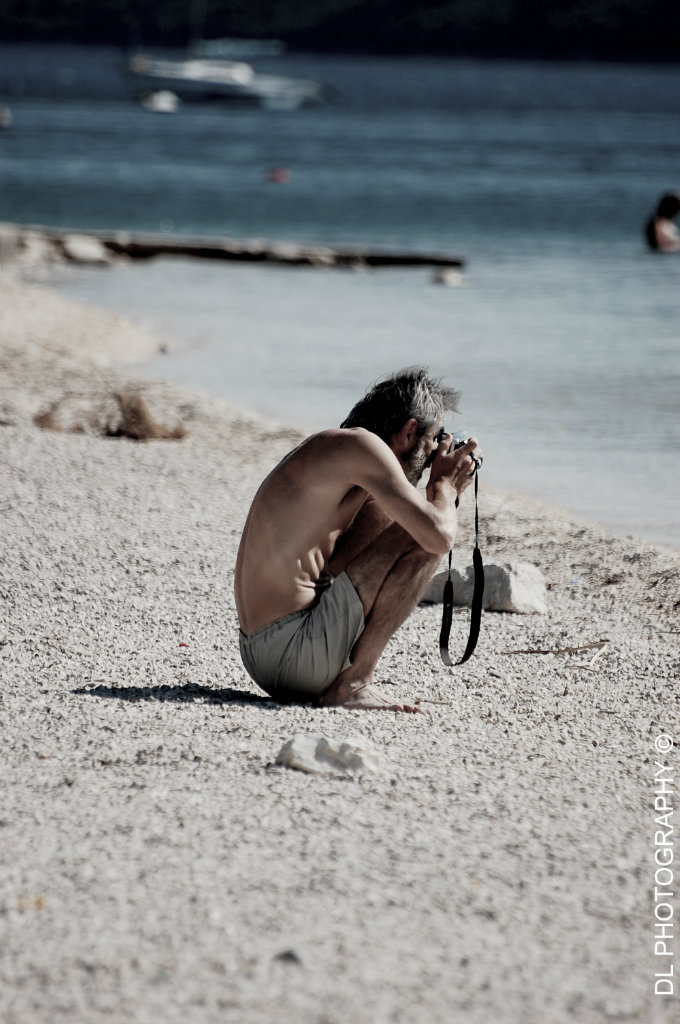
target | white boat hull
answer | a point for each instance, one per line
(205, 80)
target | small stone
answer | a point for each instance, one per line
(515, 587)
(85, 249)
(317, 755)
(288, 956)
(510, 587)
(449, 276)
(356, 755)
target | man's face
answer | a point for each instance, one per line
(415, 460)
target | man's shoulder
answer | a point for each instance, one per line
(345, 444)
(347, 438)
(338, 452)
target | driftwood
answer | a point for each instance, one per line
(105, 246)
(145, 246)
(560, 651)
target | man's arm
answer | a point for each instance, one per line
(431, 519)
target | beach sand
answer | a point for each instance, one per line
(156, 864)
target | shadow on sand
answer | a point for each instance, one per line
(182, 694)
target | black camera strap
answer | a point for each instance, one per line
(477, 596)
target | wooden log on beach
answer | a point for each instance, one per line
(145, 246)
(297, 254)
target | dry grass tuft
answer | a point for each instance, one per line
(131, 419)
(137, 422)
(47, 420)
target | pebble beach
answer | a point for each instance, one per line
(157, 864)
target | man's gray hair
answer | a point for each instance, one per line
(404, 395)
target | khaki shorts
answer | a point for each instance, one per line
(301, 654)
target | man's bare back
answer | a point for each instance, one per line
(342, 502)
(298, 513)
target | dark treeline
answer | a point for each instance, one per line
(577, 28)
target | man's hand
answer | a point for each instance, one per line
(457, 466)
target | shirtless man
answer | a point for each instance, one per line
(339, 544)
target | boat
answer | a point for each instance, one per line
(202, 79)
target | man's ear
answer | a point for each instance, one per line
(404, 439)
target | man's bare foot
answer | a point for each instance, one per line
(361, 696)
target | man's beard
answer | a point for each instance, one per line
(414, 462)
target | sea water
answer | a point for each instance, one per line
(563, 331)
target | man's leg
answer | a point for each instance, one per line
(389, 572)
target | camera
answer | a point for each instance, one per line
(459, 438)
